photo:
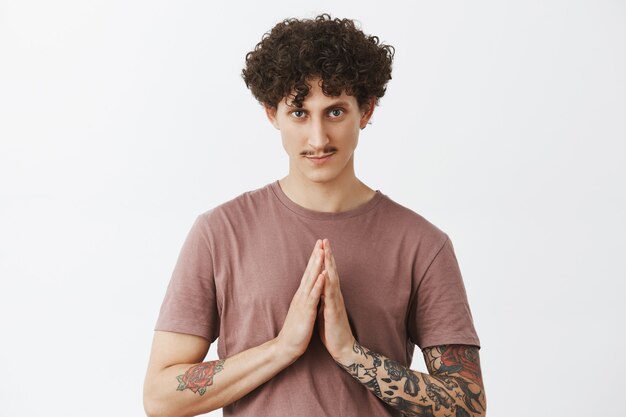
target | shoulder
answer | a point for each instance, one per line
(413, 225)
(242, 206)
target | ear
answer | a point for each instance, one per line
(270, 112)
(366, 114)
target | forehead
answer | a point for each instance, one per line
(321, 101)
(316, 98)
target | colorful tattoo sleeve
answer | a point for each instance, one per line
(454, 387)
(200, 376)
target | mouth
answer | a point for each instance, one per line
(319, 160)
(321, 156)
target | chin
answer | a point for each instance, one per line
(322, 176)
(319, 179)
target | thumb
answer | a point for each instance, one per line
(320, 308)
(320, 324)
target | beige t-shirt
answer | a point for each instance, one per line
(243, 260)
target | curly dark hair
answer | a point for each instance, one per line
(334, 50)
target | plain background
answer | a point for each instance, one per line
(121, 121)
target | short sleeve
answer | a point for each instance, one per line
(190, 303)
(439, 313)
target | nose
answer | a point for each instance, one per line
(318, 137)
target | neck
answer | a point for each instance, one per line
(342, 194)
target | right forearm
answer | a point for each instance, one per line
(193, 389)
(190, 389)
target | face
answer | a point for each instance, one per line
(322, 126)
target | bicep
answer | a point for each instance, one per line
(454, 360)
(170, 348)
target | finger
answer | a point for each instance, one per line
(327, 291)
(333, 300)
(302, 288)
(312, 271)
(315, 293)
(320, 319)
(318, 245)
(329, 262)
(330, 290)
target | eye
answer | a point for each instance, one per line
(298, 114)
(336, 112)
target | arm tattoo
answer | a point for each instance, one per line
(367, 376)
(453, 388)
(397, 372)
(460, 361)
(200, 376)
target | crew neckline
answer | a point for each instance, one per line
(322, 215)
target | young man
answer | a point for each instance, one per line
(318, 286)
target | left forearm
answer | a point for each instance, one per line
(413, 393)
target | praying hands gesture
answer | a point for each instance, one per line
(334, 328)
(319, 286)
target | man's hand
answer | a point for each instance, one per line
(334, 327)
(297, 329)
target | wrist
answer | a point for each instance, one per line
(346, 356)
(283, 353)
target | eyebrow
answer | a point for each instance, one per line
(340, 103)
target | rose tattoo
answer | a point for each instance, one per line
(200, 376)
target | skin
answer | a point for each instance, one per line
(324, 124)
(454, 387)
